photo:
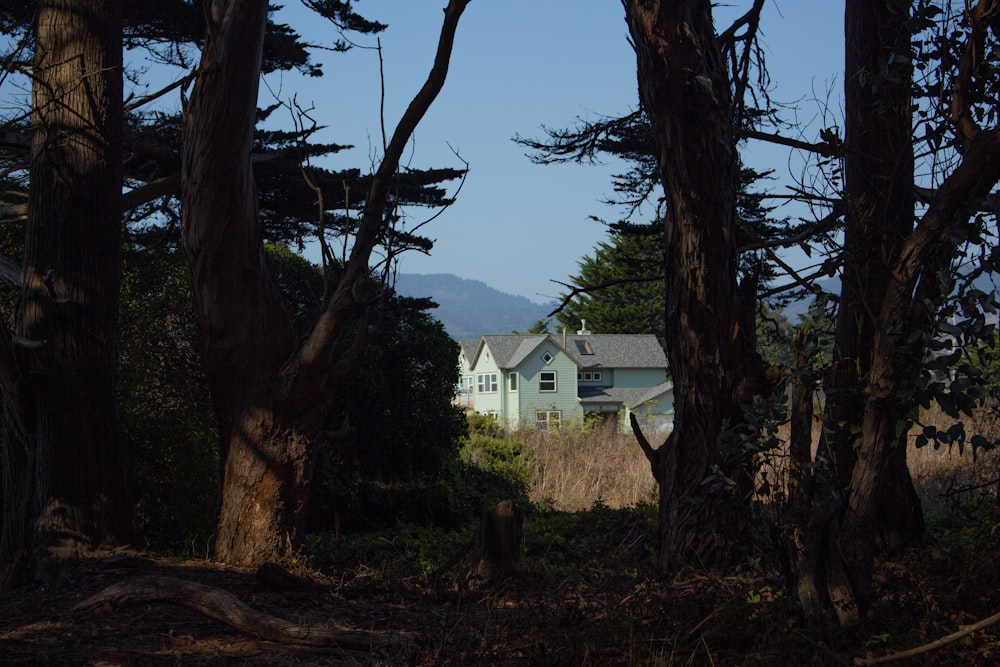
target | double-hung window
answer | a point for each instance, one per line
(486, 383)
(547, 381)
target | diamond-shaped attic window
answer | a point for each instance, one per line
(547, 358)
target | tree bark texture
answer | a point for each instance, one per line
(497, 544)
(879, 197)
(685, 92)
(977, 174)
(270, 392)
(246, 330)
(63, 475)
(913, 265)
(814, 504)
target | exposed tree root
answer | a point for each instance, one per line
(927, 648)
(227, 608)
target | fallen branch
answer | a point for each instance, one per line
(936, 644)
(227, 608)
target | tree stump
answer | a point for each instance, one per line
(497, 544)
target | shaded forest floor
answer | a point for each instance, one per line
(584, 596)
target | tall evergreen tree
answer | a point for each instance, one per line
(686, 93)
(63, 478)
(621, 286)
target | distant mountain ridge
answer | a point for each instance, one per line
(471, 308)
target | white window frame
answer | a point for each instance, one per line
(486, 383)
(548, 420)
(542, 381)
(512, 381)
(598, 376)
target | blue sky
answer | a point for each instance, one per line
(518, 65)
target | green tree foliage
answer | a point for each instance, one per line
(392, 441)
(623, 282)
(300, 199)
(624, 294)
(774, 337)
(168, 430)
(392, 438)
(394, 432)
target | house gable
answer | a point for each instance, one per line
(542, 374)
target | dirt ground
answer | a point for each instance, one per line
(406, 623)
(174, 612)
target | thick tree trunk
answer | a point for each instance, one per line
(246, 330)
(270, 392)
(878, 175)
(879, 195)
(878, 184)
(917, 259)
(685, 91)
(63, 476)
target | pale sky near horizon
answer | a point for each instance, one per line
(519, 65)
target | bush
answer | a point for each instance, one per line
(506, 457)
(168, 430)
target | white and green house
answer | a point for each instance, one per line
(545, 381)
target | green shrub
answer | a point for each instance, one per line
(167, 428)
(506, 457)
(486, 425)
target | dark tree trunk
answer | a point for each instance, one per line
(879, 197)
(880, 489)
(246, 330)
(270, 392)
(878, 183)
(977, 173)
(819, 578)
(63, 476)
(497, 544)
(685, 91)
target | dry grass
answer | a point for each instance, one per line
(578, 468)
(949, 477)
(944, 477)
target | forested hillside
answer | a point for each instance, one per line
(470, 308)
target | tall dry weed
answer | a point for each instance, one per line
(944, 477)
(947, 477)
(576, 468)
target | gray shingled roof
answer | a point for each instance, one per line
(468, 346)
(651, 393)
(631, 397)
(510, 350)
(615, 351)
(609, 350)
